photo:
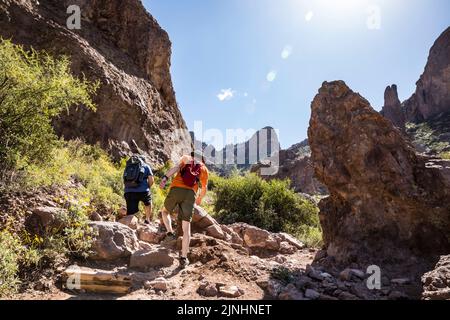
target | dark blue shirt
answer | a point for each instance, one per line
(143, 186)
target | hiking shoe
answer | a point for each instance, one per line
(184, 262)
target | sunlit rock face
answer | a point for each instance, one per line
(121, 45)
(432, 96)
(386, 203)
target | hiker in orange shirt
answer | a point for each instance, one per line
(190, 172)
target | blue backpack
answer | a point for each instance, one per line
(134, 172)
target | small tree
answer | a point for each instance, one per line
(34, 89)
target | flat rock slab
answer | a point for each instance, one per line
(96, 281)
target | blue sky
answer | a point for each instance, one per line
(254, 63)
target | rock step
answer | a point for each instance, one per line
(96, 281)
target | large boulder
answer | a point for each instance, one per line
(385, 203)
(436, 283)
(113, 241)
(121, 45)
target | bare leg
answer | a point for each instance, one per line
(186, 238)
(148, 213)
(167, 220)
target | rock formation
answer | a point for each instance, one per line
(124, 48)
(295, 164)
(392, 108)
(262, 145)
(432, 96)
(385, 203)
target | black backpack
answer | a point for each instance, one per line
(134, 172)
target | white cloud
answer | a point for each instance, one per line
(271, 76)
(309, 16)
(246, 94)
(286, 53)
(226, 94)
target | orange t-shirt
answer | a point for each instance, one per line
(178, 182)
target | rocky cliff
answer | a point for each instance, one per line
(295, 164)
(432, 96)
(123, 47)
(386, 203)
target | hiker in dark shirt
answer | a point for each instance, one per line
(138, 179)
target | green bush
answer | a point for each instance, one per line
(445, 155)
(10, 249)
(34, 89)
(100, 179)
(271, 205)
(24, 252)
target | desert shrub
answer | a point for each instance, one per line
(445, 155)
(100, 178)
(21, 253)
(34, 89)
(10, 249)
(271, 205)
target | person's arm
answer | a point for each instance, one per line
(204, 187)
(170, 173)
(151, 181)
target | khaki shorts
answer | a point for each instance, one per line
(184, 199)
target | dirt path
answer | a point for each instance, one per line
(245, 272)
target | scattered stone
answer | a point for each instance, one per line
(274, 288)
(284, 237)
(290, 293)
(210, 290)
(130, 221)
(286, 248)
(349, 274)
(262, 282)
(397, 295)
(159, 284)
(150, 234)
(154, 258)
(347, 296)
(215, 231)
(95, 216)
(230, 291)
(48, 217)
(312, 294)
(321, 254)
